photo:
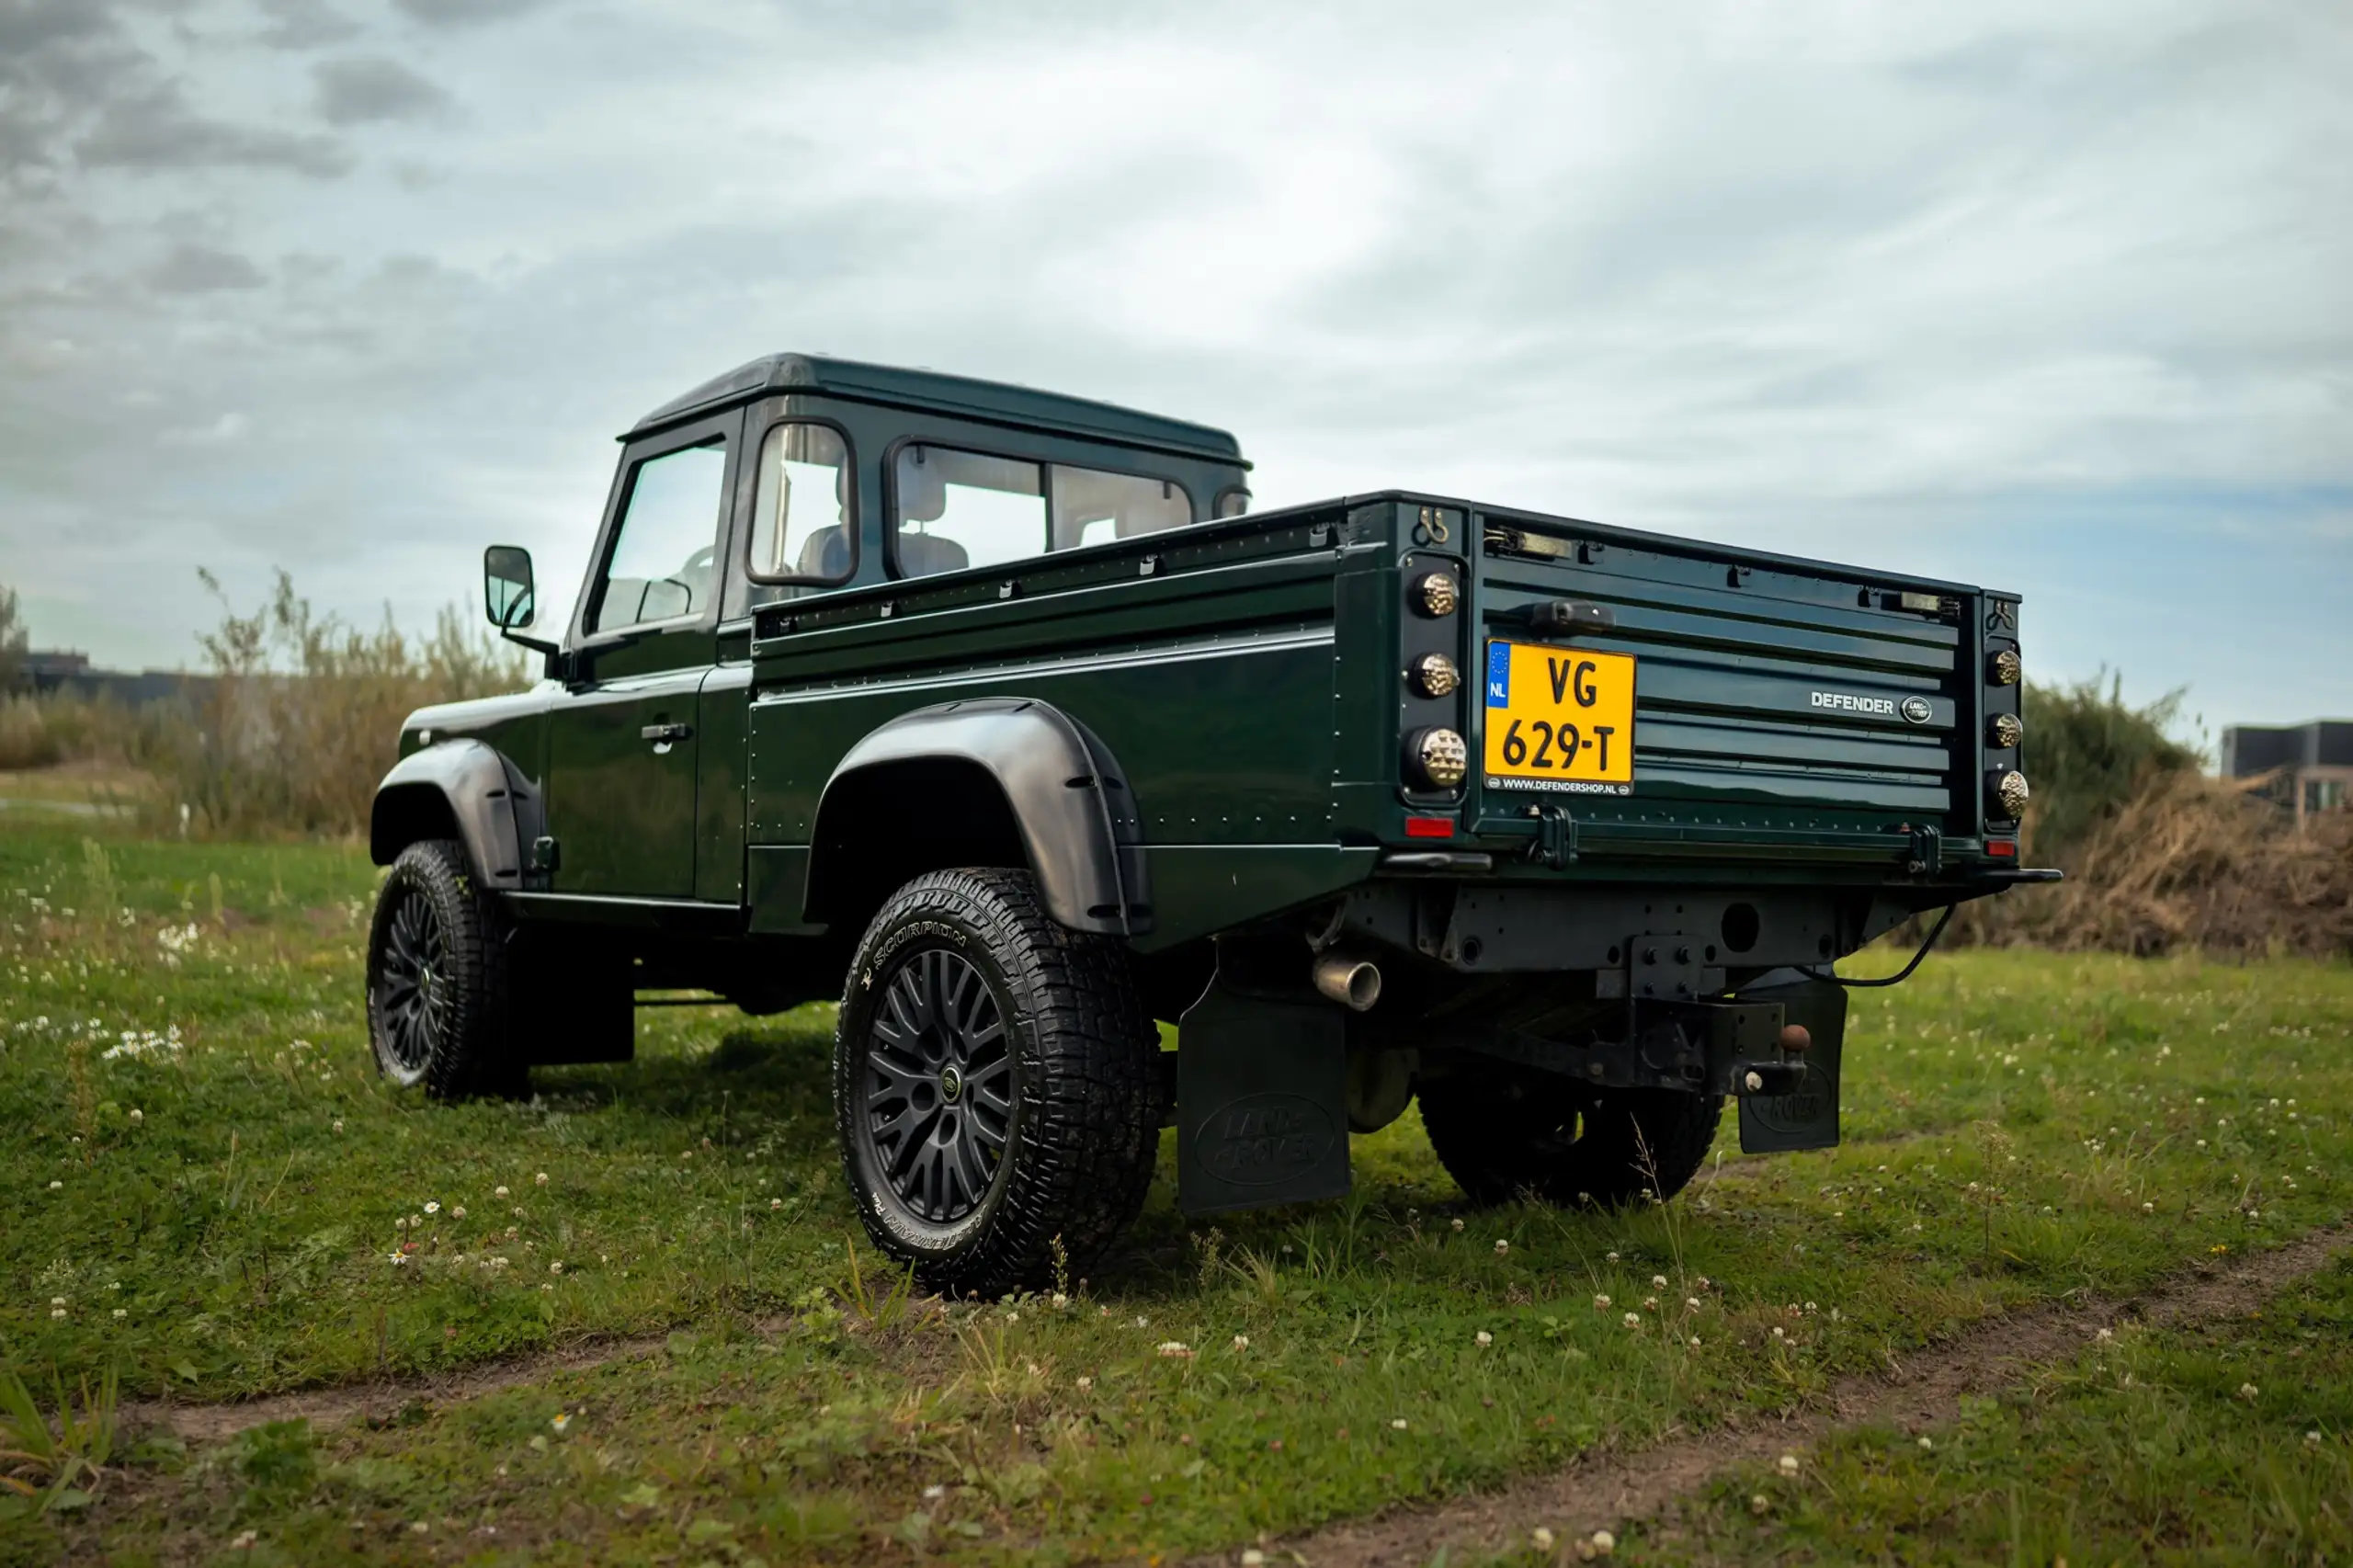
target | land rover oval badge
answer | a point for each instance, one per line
(1917, 710)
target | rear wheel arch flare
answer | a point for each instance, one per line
(1030, 788)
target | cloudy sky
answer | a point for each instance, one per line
(2052, 298)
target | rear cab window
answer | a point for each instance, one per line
(954, 508)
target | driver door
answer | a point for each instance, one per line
(623, 741)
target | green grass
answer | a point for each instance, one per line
(2019, 1125)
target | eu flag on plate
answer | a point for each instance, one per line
(1498, 675)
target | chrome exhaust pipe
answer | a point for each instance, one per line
(1354, 982)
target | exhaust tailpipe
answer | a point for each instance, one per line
(1352, 981)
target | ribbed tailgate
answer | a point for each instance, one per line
(1767, 700)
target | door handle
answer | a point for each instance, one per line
(663, 734)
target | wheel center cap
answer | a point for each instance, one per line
(951, 1083)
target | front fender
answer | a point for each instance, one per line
(1070, 805)
(457, 789)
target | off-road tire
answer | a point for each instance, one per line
(451, 1032)
(1506, 1134)
(1082, 1058)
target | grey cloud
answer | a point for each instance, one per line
(463, 12)
(304, 24)
(373, 87)
(202, 270)
(156, 129)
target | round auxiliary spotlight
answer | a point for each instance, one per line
(1434, 675)
(2006, 730)
(1438, 757)
(2004, 668)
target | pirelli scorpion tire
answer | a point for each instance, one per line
(995, 1085)
(1504, 1134)
(436, 977)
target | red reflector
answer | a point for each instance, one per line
(2001, 848)
(1429, 827)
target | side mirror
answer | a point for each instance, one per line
(506, 586)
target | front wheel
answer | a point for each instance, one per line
(436, 977)
(995, 1085)
(1506, 1134)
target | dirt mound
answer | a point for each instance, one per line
(2191, 862)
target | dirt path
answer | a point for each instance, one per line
(348, 1403)
(1605, 1491)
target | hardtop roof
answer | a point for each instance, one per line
(962, 396)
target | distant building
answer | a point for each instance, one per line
(47, 670)
(2312, 763)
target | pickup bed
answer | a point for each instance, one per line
(997, 717)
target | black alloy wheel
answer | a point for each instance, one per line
(438, 1008)
(995, 1086)
(414, 994)
(939, 1085)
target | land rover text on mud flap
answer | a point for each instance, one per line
(998, 716)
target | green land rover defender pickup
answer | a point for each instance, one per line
(1000, 717)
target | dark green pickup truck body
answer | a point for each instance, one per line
(1203, 738)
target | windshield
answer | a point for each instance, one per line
(957, 509)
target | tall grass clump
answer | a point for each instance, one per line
(304, 716)
(2159, 856)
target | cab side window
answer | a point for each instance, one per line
(663, 561)
(805, 529)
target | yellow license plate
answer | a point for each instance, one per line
(1560, 718)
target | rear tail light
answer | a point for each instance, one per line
(1434, 675)
(1438, 758)
(2003, 668)
(2006, 794)
(2004, 731)
(1435, 595)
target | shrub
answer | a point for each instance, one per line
(2090, 754)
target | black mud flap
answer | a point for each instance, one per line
(1260, 1118)
(1805, 1117)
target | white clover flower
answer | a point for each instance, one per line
(1143, 1321)
(1692, 1302)
(1060, 1300)
(1658, 1281)
(57, 1312)
(1632, 1320)
(1175, 1350)
(1483, 1339)
(775, 1203)
(459, 1213)
(1085, 1383)
(933, 1493)
(1777, 1332)
(1253, 1558)
(1502, 1246)
(1601, 1303)
(2105, 1335)
(338, 1124)
(498, 1192)
(57, 1186)
(1788, 1464)
(1242, 1342)
(1604, 1543)
(1650, 1304)
(121, 1312)
(1457, 1227)
(1927, 1442)
(1611, 1256)
(2313, 1439)
(556, 1269)
(138, 1117)
(2248, 1390)
(541, 1178)
(1398, 1424)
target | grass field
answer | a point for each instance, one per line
(208, 1193)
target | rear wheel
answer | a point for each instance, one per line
(436, 977)
(995, 1085)
(1505, 1133)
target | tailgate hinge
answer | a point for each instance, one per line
(1924, 856)
(1556, 836)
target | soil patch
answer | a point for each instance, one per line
(1607, 1488)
